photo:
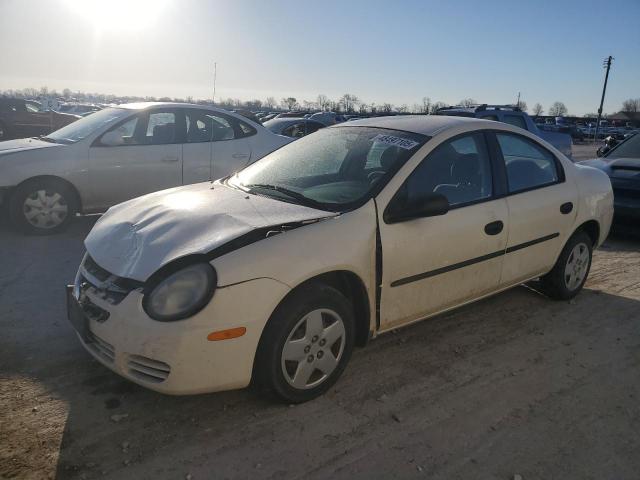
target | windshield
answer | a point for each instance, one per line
(333, 169)
(84, 127)
(627, 149)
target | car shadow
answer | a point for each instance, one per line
(116, 429)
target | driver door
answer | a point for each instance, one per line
(148, 159)
(434, 263)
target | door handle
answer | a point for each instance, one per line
(169, 159)
(566, 208)
(493, 228)
(240, 155)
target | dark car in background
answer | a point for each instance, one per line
(21, 118)
(622, 164)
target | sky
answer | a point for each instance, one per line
(381, 51)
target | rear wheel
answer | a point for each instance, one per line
(43, 207)
(306, 345)
(570, 272)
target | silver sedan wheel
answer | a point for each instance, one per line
(576, 267)
(45, 209)
(313, 349)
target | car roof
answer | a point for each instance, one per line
(429, 125)
(143, 105)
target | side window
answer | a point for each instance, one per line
(528, 165)
(221, 128)
(246, 130)
(126, 130)
(297, 130)
(161, 128)
(459, 169)
(516, 121)
(199, 126)
(490, 117)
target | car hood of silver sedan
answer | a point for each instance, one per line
(13, 146)
(136, 238)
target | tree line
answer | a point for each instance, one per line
(347, 103)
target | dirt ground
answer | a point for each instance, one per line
(513, 385)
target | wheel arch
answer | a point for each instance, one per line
(591, 228)
(53, 178)
(353, 288)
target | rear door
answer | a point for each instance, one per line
(148, 161)
(542, 206)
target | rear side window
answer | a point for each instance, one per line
(528, 165)
(516, 121)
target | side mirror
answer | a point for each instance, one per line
(402, 208)
(112, 138)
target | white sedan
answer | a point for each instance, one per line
(275, 273)
(120, 153)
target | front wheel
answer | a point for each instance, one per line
(42, 207)
(570, 272)
(306, 345)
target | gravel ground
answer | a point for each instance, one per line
(513, 385)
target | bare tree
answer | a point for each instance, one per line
(404, 108)
(289, 103)
(349, 101)
(631, 105)
(436, 106)
(322, 101)
(558, 109)
(363, 108)
(467, 102)
(426, 105)
(270, 102)
(386, 108)
(537, 109)
(523, 105)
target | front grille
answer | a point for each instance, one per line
(102, 349)
(147, 369)
(103, 284)
(94, 269)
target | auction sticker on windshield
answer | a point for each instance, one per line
(395, 141)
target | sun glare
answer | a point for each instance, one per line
(118, 15)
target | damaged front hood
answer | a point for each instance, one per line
(136, 238)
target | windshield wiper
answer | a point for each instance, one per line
(289, 193)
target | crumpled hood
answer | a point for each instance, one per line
(136, 238)
(13, 146)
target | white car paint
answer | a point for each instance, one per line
(106, 175)
(255, 275)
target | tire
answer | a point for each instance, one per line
(571, 270)
(43, 207)
(306, 345)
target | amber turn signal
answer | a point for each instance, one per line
(226, 334)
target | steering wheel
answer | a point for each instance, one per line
(374, 176)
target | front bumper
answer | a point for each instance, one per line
(175, 357)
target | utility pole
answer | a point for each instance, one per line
(215, 72)
(607, 65)
(518, 102)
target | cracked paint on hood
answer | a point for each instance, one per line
(136, 238)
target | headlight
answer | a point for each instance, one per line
(181, 294)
